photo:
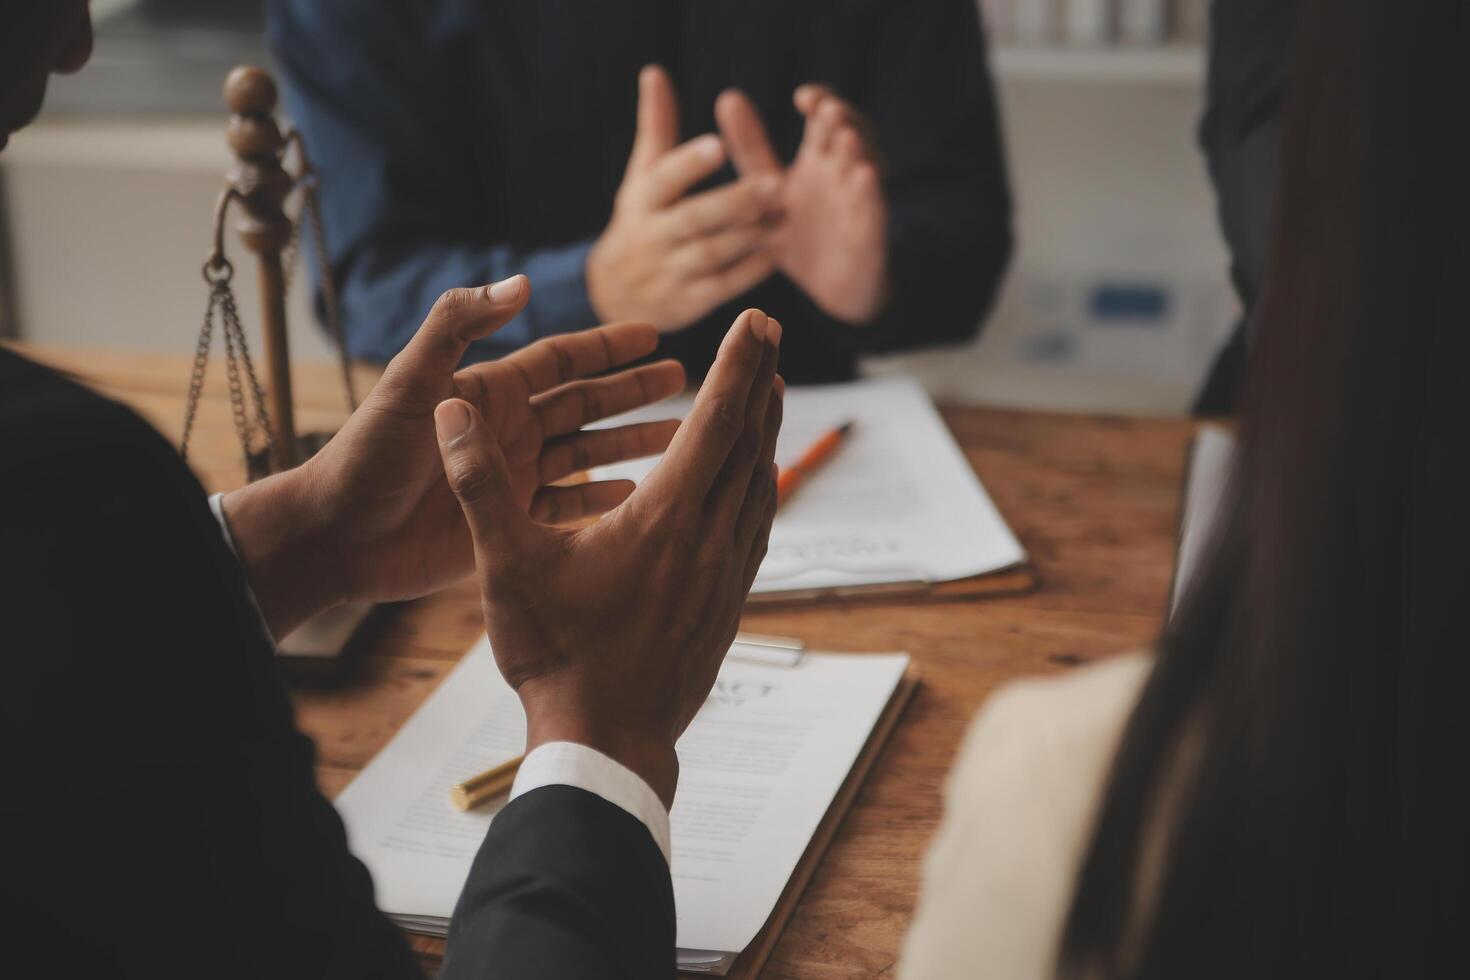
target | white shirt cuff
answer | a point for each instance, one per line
(217, 507)
(573, 764)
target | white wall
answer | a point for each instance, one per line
(1109, 185)
(110, 224)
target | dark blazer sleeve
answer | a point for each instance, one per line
(1250, 42)
(565, 885)
(160, 815)
(933, 107)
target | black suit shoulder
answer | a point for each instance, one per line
(162, 816)
(48, 418)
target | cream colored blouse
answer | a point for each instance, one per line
(998, 878)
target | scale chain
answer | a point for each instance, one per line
(232, 324)
(196, 377)
(310, 213)
(237, 352)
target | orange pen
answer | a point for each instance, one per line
(817, 454)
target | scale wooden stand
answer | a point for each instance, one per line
(260, 185)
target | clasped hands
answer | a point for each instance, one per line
(611, 633)
(670, 256)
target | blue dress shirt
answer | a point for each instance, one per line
(462, 141)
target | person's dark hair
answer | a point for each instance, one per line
(1320, 667)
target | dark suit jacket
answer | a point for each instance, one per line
(160, 815)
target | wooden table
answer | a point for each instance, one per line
(1093, 499)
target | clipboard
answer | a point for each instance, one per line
(1187, 516)
(1014, 581)
(897, 428)
(752, 959)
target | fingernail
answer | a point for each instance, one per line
(780, 385)
(451, 420)
(507, 289)
(768, 186)
(709, 147)
(773, 332)
(758, 324)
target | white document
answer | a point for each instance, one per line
(1205, 486)
(759, 767)
(897, 502)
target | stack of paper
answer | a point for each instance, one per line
(759, 768)
(897, 503)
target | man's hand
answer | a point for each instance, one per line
(832, 240)
(669, 257)
(371, 517)
(612, 635)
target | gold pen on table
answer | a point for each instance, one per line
(486, 786)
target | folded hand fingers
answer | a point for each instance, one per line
(740, 203)
(760, 500)
(562, 505)
(426, 366)
(571, 406)
(566, 357)
(732, 489)
(713, 253)
(673, 174)
(823, 124)
(806, 97)
(658, 118)
(750, 147)
(601, 447)
(476, 471)
(847, 148)
(835, 127)
(704, 441)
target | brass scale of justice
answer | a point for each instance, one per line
(260, 185)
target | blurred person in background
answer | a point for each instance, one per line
(1279, 794)
(1250, 43)
(856, 186)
